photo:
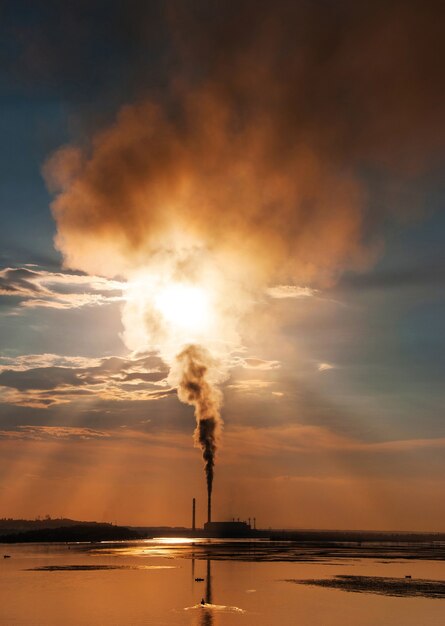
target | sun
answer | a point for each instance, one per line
(184, 307)
(165, 314)
(170, 304)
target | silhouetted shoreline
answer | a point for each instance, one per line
(56, 530)
(82, 532)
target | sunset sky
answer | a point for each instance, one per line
(283, 158)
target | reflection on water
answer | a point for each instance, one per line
(207, 614)
(206, 617)
(206, 609)
(209, 584)
(151, 582)
(172, 541)
(283, 551)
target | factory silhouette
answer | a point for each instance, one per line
(232, 528)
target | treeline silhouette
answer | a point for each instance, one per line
(77, 532)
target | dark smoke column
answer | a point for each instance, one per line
(194, 388)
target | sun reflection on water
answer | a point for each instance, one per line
(166, 547)
(177, 540)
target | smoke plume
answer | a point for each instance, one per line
(196, 389)
(250, 162)
(273, 119)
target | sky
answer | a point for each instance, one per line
(284, 159)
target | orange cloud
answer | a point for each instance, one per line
(257, 164)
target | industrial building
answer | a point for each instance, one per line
(233, 528)
(227, 529)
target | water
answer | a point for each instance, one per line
(153, 582)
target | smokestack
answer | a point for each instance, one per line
(194, 514)
(209, 506)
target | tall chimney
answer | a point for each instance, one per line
(194, 515)
(209, 507)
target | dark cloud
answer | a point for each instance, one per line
(412, 276)
(260, 138)
(77, 48)
(113, 378)
(33, 287)
(43, 378)
(17, 254)
(18, 280)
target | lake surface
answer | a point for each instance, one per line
(153, 582)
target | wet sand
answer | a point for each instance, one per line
(400, 587)
(92, 568)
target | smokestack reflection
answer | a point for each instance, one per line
(207, 614)
(206, 617)
(208, 583)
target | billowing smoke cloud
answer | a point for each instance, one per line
(259, 149)
(252, 157)
(195, 388)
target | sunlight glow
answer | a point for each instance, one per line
(163, 313)
(172, 303)
(184, 306)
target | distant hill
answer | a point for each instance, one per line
(63, 529)
(9, 526)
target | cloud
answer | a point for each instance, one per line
(300, 438)
(250, 386)
(44, 380)
(25, 362)
(259, 364)
(68, 52)
(32, 287)
(324, 367)
(258, 162)
(290, 291)
(432, 274)
(263, 442)
(41, 433)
